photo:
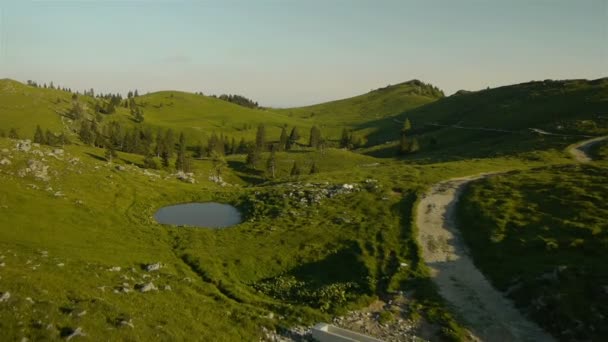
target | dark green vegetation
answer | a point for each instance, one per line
(327, 226)
(542, 236)
(497, 121)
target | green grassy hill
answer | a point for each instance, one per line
(498, 120)
(542, 235)
(23, 107)
(74, 243)
(376, 104)
(199, 116)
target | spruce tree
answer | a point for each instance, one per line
(39, 136)
(314, 169)
(149, 162)
(253, 157)
(283, 139)
(110, 153)
(13, 134)
(260, 138)
(271, 164)
(242, 148)
(294, 136)
(180, 162)
(315, 137)
(85, 133)
(346, 139)
(219, 163)
(49, 138)
(295, 169)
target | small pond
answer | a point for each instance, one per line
(209, 215)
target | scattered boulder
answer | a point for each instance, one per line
(75, 333)
(58, 152)
(114, 269)
(126, 323)
(187, 177)
(147, 287)
(154, 267)
(5, 297)
(24, 145)
(5, 161)
(120, 168)
(38, 169)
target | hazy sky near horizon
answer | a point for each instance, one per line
(289, 53)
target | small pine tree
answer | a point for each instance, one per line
(346, 139)
(219, 163)
(149, 162)
(260, 138)
(253, 157)
(294, 136)
(180, 161)
(314, 169)
(295, 169)
(13, 134)
(110, 153)
(39, 136)
(165, 158)
(315, 137)
(283, 139)
(271, 164)
(85, 133)
(49, 138)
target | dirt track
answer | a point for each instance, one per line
(580, 150)
(488, 314)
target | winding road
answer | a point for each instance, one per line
(489, 314)
(580, 150)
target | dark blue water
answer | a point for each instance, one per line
(209, 215)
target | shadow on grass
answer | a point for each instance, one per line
(245, 173)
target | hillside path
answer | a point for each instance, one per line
(489, 314)
(580, 150)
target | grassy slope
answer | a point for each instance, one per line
(565, 107)
(112, 226)
(23, 107)
(199, 116)
(355, 111)
(543, 234)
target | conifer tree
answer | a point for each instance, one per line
(242, 148)
(315, 137)
(110, 153)
(346, 139)
(39, 136)
(253, 157)
(180, 162)
(271, 164)
(85, 133)
(283, 139)
(295, 169)
(260, 138)
(314, 169)
(219, 163)
(149, 162)
(49, 138)
(294, 136)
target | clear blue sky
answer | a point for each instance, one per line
(287, 53)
